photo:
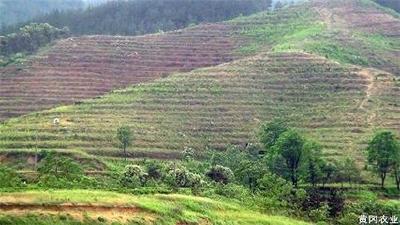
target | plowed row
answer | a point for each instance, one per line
(79, 68)
(212, 108)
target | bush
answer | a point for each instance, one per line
(133, 176)
(59, 171)
(234, 191)
(180, 177)
(220, 174)
(154, 171)
(9, 178)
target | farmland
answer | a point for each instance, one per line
(213, 107)
(280, 117)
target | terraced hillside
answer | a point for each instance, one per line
(89, 66)
(211, 108)
(79, 68)
(305, 73)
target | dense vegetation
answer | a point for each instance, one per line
(299, 126)
(16, 11)
(28, 40)
(147, 16)
(394, 4)
(286, 175)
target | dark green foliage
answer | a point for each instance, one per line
(124, 135)
(328, 172)
(347, 171)
(290, 148)
(271, 131)
(59, 171)
(220, 174)
(16, 11)
(148, 16)
(315, 163)
(9, 178)
(396, 170)
(133, 176)
(394, 4)
(30, 38)
(179, 176)
(382, 153)
(155, 170)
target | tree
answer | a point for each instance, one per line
(290, 146)
(382, 150)
(347, 170)
(59, 171)
(314, 162)
(270, 133)
(328, 171)
(124, 135)
(396, 167)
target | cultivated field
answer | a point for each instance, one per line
(307, 77)
(85, 67)
(212, 108)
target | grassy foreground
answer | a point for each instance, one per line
(154, 209)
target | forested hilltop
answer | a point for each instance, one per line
(146, 16)
(17, 11)
(394, 4)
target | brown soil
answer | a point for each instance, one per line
(77, 211)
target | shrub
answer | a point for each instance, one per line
(220, 174)
(9, 178)
(180, 177)
(273, 186)
(59, 171)
(133, 176)
(154, 170)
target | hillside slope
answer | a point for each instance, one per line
(211, 108)
(86, 67)
(89, 206)
(79, 68)
(321, 92)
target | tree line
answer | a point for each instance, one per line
(394, 4)
(30, 38)
(146, 16)
(17, 11)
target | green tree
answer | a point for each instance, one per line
(347, 170)
(396, 167)
(270, 133)
(59, 171)
(124, 136)
(313, 154)
(290, 146)
(382, 150)
(328, 172)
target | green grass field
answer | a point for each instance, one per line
(155, 209)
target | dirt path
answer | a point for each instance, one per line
(371, 87)
(77, 211)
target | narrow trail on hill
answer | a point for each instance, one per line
(77, 211)
(371, 87)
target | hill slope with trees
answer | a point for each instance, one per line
(17, 11)
(147, 16)
(337, 104)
